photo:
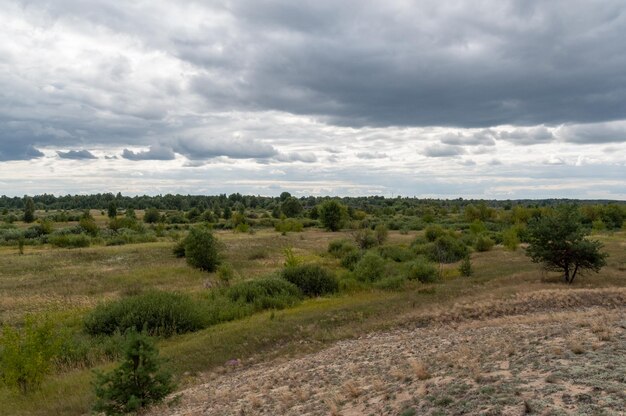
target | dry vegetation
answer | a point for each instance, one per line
(508, 340)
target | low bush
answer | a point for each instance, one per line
(396, 253)
(391, 283)
(338, 248)
(159, 313)
(26, 355)
(483, 243)
(465, 268)
(370, 268)
(446, 249)
(350, 258)
(422, 270)
(265, 293)
(433, 232)
(365, 238)
(202, 249)
(69, 240)
(311, 279)
(289, 225)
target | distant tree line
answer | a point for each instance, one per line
(291, 205)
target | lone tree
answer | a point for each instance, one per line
(29, 210)
(558, 241)
(137, 383)
(331, 214)
(112, 210)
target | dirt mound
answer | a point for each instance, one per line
(560, 351)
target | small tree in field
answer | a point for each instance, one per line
(202, 249)
(136, 383)
(29, 210)
(558, 241)
(331, 214)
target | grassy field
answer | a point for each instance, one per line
(65, 284)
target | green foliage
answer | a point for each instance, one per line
(396, 253)
(382, 233)
(510, 239)
(268, 293)
(351, 257)
(289, 225)
(291, 207)
(202, 249)
(433, 232)
(483, 243)
(112, 210)
(179, 249)
(391, 283)
(124, 222)
(159, 313)
(69, 240)
(138, 382)
(290, 258)
(422, 270)
(465, 268)
(477, 227)
(447, 249)
(26, 355)
(365, 238)
(226, 273)
(311, 279)
(151, 216)
(89, 226)
(29, 210)
(340, 246)
(370, 268)
(558, 241)
(332, 214)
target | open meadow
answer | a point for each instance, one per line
(403, 332)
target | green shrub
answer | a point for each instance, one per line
(483, 243)
(26, 355)
(89, 226)
(202, 249)
(433, 232)
(351, 257)
(365, 238)
(289, 225)
(179, 249)
(159, 313)
(422, 270)
(396, 253)
(226, 273)
(138, 381)
(332, 214)
(265, 293)
(69, 240)
(391, 283)
(382, 233)
(151, 216)
(447, 249)
(312, 279)
(371, 267)
(510, 239)
(338, 248)
(465, 268)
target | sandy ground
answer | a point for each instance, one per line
(546, 362)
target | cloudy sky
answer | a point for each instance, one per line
(486, 99)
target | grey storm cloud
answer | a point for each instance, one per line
(527, 136)
(306, 157)
(233, 148)
(76, 154)
(443, 151)
(153, 153)
(179, 69)
(371, 155)
(594, 133)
